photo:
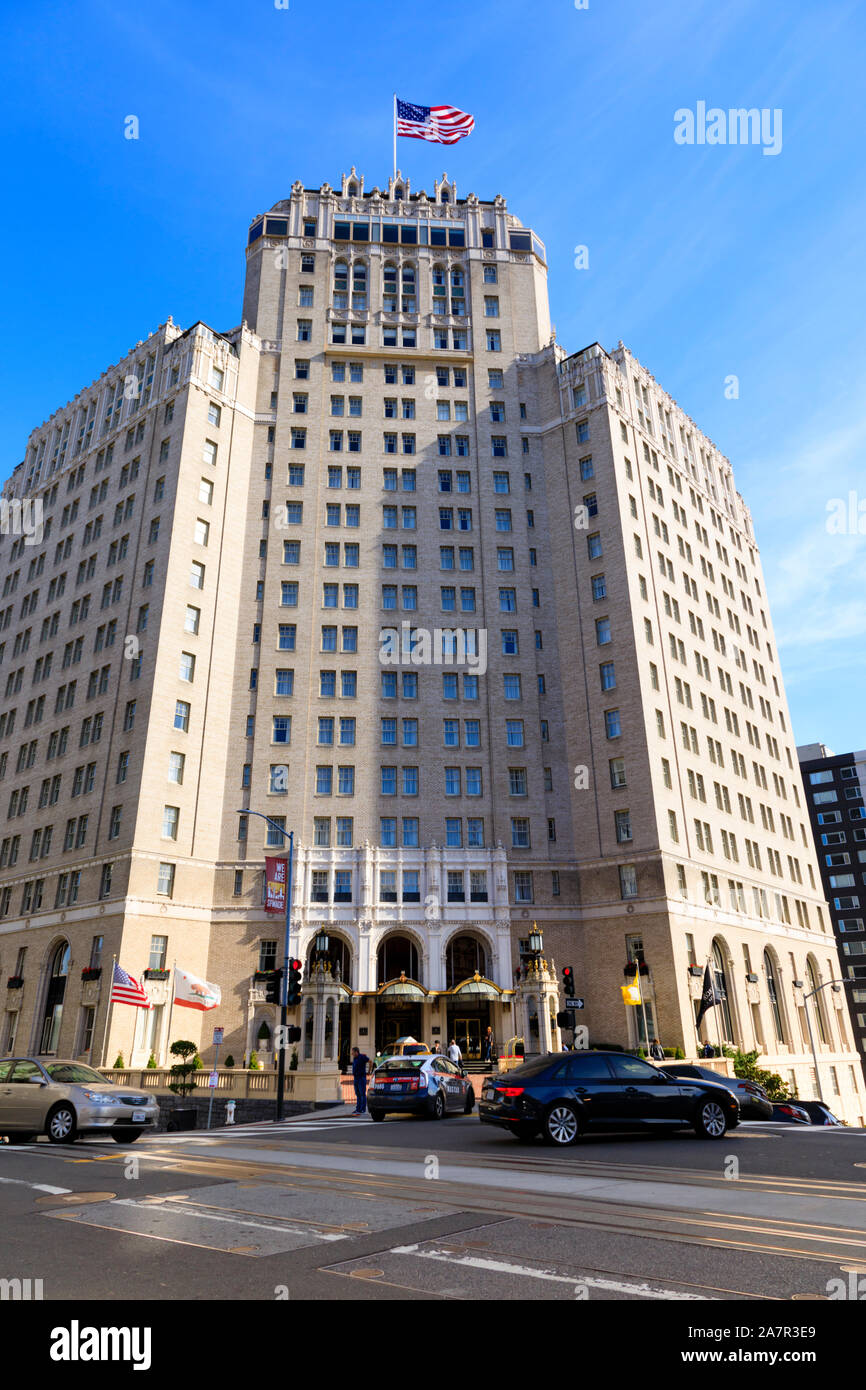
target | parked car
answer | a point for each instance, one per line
(66, 1099)
(563, 1095)
(791, 1114)
(754, 1101)
(421, 1085)
(819, 1113)
(402, 1047)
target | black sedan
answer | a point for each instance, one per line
(421, 1085)
(563, 1095)
(819, 1113)
(754, 1101)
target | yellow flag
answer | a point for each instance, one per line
(631, 993)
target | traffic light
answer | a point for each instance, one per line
(294, 1033)
(565, 1018)
(272, 987)
(294, 995)
(568, 981)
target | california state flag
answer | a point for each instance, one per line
(193, 993)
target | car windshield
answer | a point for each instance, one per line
(403, 1064)
(74, 1073)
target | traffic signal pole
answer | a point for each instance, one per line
(281, 1050)
(281, 1053)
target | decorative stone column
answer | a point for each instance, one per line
(534, 994)
(318, 1063)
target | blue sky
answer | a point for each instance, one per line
(707, 261)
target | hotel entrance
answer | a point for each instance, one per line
(468, 1033)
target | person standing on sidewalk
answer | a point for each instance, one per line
(454, 1053)
(361, 1066)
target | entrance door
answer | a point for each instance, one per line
(467, 1032)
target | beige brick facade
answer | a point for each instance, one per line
(393, 438)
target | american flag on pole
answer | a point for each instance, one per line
(126, 990)
(444, 125)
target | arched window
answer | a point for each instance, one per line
(398, 192)
(444, 196)
(53, 1015)
(341, 285)
(389, 287)
(397, 956)
(722, 990)
(359, 285)
(465, 955)
(352, 190)
(816, 999)
(338, 956)
(410, 303)
(773, 995)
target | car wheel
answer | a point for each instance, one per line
(561, 1125)
(470, 1102)
(437, 1109)
(125, 1136)
(60, 1126)
(711, 1121)
(377, 1115)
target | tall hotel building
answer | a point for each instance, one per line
(483, 623)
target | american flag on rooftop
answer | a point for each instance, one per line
(443, 125)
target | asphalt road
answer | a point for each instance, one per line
(328, 1207)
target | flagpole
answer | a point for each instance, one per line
(108, 1012)
(171, 1005)
(395, 135)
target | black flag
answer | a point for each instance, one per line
(710, 997)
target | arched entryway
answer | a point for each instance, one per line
(724, 1020)
(338, 956)
(52, 1016)
(401, 995)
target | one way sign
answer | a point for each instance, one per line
(574, 1003)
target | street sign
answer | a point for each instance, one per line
(217, 1036)
(574, 1003)
(213, 1079)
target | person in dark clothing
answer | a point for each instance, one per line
(361, 1066)
(656, 1051)
(708, 1050)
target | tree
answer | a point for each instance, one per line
(183, 1069)
(747, 1069)
(255, 1064)
(293, 1064)
(118, 1062)
(151, 1063)
(230, 1061)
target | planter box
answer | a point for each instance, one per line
(91, 973)
(156, 974)
(15, 982)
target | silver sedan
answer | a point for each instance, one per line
(66, 1099)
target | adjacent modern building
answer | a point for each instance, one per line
(835, 793)
(483, 623)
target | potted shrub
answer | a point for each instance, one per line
(91, 972)
(255, 1064)
(293, 1061)
(230, 1061)
(119, 1063)
(156, 974)
(151, 1063)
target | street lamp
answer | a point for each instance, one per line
(281, 1051)
(536, 940)
(836, 986)
(322, 943)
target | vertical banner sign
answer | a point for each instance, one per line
(276, 877)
